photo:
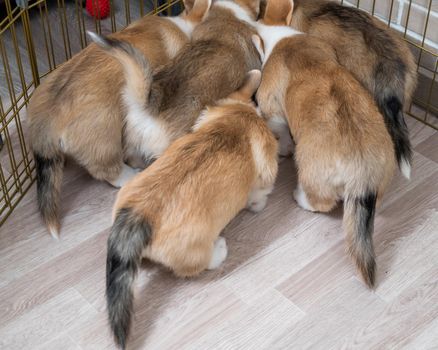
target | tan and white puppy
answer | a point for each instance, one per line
(343, 149)
(173, 212)
(376, 55)
(78, 111)
(164, 105)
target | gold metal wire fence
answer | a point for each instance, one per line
(36, 36)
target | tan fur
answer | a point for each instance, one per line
(351, 48)
(252, 5)
(201, 182)
(211, 67)
(78, 110)
(342, 146)
(79, 104)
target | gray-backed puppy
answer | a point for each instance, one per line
(377, 57)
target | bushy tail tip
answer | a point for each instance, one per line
(359, 226)
(49, 177)
(129, 236)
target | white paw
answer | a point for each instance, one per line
(220, 252)
(258, 198)
(301, 198)
(125, 175)
(258, 205)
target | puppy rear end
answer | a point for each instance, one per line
(343, 149)
(378, 57)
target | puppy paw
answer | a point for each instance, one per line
(126, 174)
(301, 199)
(258, 205)
(220, 252)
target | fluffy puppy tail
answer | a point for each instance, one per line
(49, 177)
(137, 70)
(359, 226)
(392, 110)
(130, 234)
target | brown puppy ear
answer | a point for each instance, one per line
(249, 86)
(278, 12)
(258, 43)
(188, 5)
(198, 11)
(262, 8)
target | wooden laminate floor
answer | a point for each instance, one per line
(287, 282)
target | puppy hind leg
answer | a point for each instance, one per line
(301, 198)
(312, 201)
(220, 252)
(258, 198)
(190, 261)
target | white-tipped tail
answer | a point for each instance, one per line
(99, 40)
(405, 168)
(54, 232)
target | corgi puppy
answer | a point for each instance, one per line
(377, 56)
(173, 212)
(343, 149)
(163, 105)
(77, 111)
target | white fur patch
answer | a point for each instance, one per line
(258, 198)
(97, 39)
(125, 175)
(184, 25)
(301, 198)
(405, 168)
(220, 252)
(271, 35)
(238, 11)
(145, 135)
(53, 231)
(201, 119)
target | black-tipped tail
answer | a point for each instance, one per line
(129, 236)
(359, 226)
(393, 114)
(49, 178)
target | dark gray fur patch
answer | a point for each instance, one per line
(129, 236)
(46, 172)
(389, 72)
(365, 207)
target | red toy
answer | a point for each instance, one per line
(98, 8)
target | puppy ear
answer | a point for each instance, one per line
(198, 10)
(258, 43)
(278, 12)
(262, 8)
(249, 86)
(252, 83)
(188, 5)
